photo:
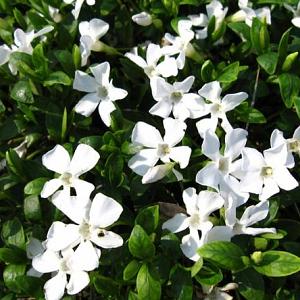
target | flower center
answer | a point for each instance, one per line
(66, 178)
(150, 71)
(176, 96)
(64, 266)
(85, 231)
(195, 220)
(217, 108)
(163, 150)
(266, 172)
(102, 92)
(224, 165)
(294, 145)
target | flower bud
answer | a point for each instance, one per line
(143, 19)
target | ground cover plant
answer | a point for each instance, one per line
(149, 149)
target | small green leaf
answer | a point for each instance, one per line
(35, 186)
(58, 77)
(148, 218)
(114, 169)
(10, 273)
(278, 264)
(13, 233)
(289, 61)
(147, 284)
(40, 62)
(21, 92)
(196, 267)
(76, 57)
(240, 28)
(19, 18)
(268, 61)
(140, 244)
(207, 71)
(31, 286)
(229, 73)
(209, 275)
(289, 85)
(283, 46)
(255, 35)
(12, 256)
(131, 270)
(226, 254)
(32, 209)
(105, 285)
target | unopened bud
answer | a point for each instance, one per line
(143, 19)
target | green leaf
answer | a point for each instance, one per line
(283, 46)
(40, 62)
(65, 58)
(13, 233)
(107, 6)
(147, 284)
(226, 254)
(289, 61)
(251, 284)
(10, 273)
(278, 264)
(148, 218)
(76, 57)
(207, 71)
(268, 61)
(21, 92)
(131, 270)
(35, 186)
(255, 35)
(289, 85)
(140, 244)
(12, 256)
(15, 164)
(58, 77)
(240, 28)
(229, 73)
(32, 209)
(297, 105)
(209, 275)
(105, 285)
(19, 18)
(114, 169)
(196, 267)
(31, 286)
(64, 125)
(248, 114)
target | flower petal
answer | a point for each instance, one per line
(211, 145)
(235, 141)
(161, 108)
(174, 131)
(168, 67)
(84, 82)
(116, 93)
(189, 246)
(185, 85)
(207, 124)
(284, 179)
(178, 223)
(211, 91)
(252, 160)
(181, 155)
(230, 101)
(104, 211)
(153, 54)
(57, 159)
(270, 188)
(77, 282)
(87, 104)
(108, 241)
(50, 187)
(47, 262)
(208, 202)
(101, 73)
(55, 287)
(136, 59)
(105, 108)
(209, 176)
(156, 173)
(255, 213)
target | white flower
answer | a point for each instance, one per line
(213, 9)
(198, 207)
(78, 4)
(234, 226)
(175, 97)
(180, 44)
(222, 165)
(63, 265)
(54, 14)
(101, 92)
(218, 293)
(152, 67)
(143, 19)
(292, 144)
(296, 13)
(265, 174)
(90, 33)
(247, 13)
(217, 108)
(158, 148)
(22, 43)
(58, 160)
(90, 228)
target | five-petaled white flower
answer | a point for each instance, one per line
(90, 33)
(78, 5)
(217, 108)
(101, 92)
(213, 9)
(142, 18)
(22, 43)
(151, 66)
(265, 174)
(175, 98)
(58, 160)
(158, 148)
(296, 13)
(180, 44)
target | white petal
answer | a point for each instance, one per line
(160, 88)
(136, 59)
(174, 131)
(4, 54)
(101, 73)
(270, 188)
(57, 159)
(206, 124)
(211, 91)
(177, 174)
(77, 282)
(178, 223)
(105, 108)
(104, 211)
(108, 241)
(161, 108)
(87, 104)
(252, 160)
(230, 101)
(180, 111)
(156, 173)
(296, 134)
(47, 262)
(181, 155)
(211, 145)
(84, 82)
(189, 246)
(277, 138)
(208, 202)
(252, 182)
(184, 30)
(296, 22)
(190, 197)
(185, 85)
(86, 44)
(209, 176)
(153, 54)
(284, 179)
(76, 10)
(235, 141)
(116, 93)
(256, 231)
(43, 31)
(180, 60)
(50, 187)
(85, 257)
(199, 20)
(146, 135)
(143, 19)
(143, 160)
(276, 156)
(168, 67)
(84, 159)
(255, 213)
(201, 34)
(219, 233)
(55, 287)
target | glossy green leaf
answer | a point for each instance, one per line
(289, 85)
(58, 77)
(268, 61)
(131, 270)
(32, 209)
(148, 218)
(22, 92)
(13, 233)
(10, 273)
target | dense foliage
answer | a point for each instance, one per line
(153, 112)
